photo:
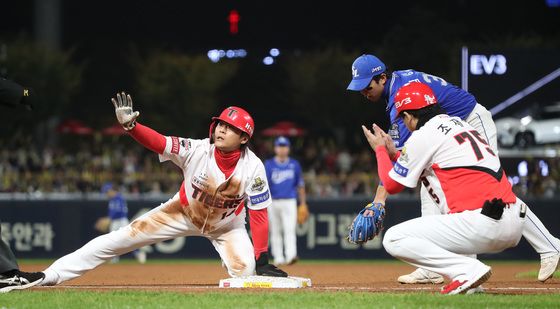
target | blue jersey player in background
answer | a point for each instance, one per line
(286, 185)
(118, 214)
(372, 79)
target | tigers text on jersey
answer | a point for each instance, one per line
(454, 100)
(214, 201)
(468, 171)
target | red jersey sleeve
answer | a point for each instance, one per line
(384, 166)
(258, 220)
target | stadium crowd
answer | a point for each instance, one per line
(329, 170)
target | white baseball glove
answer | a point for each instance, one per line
(124, 111)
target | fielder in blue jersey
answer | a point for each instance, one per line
(372, 79)
(286, 185)
(117, 205)
(118, 214)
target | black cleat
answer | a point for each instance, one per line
(19, 280)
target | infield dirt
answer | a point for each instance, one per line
(367, 277)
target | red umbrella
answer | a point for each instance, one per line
(115, 129)
(286, 128)
(73, 126)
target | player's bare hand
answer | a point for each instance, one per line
(391, 149)
(124, 110)
(374, 138)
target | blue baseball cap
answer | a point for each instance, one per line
(364, 69)
(106, 187)
(282, 141)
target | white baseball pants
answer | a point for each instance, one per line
(282, 218)
(440, 243)
(164, 222)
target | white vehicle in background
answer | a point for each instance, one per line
(541, 128)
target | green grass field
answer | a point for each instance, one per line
(266, 299)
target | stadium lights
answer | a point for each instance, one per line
(268, 60)
(513, 180)
(543, 167)
(523, 169)
(274, 52)
(216, 54)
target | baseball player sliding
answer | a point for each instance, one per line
(483, 213)
(286, 187)
(372, 79)
(220, 174)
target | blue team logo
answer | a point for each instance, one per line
(401, 170)
(279, 176)
(259, 198)
(355, 72)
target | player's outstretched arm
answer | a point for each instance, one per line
(126, 116)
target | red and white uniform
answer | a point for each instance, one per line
(210, 203)
(450, 151)
(212, 199)
(458, 160)
(433, 201)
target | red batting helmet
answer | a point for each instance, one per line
(414, 95)
(237, 117)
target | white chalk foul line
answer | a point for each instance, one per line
(552, 289)
(345, 288)
(128, 287)
(525, 289)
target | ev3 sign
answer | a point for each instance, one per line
(493, 64)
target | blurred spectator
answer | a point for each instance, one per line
(330, 169)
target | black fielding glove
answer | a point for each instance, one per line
(263, 268)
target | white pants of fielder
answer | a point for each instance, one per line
(441, 243)
(534, 230)
(282, 219)
(164, 222)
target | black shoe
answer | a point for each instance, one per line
(19, 280)
(263, 268)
